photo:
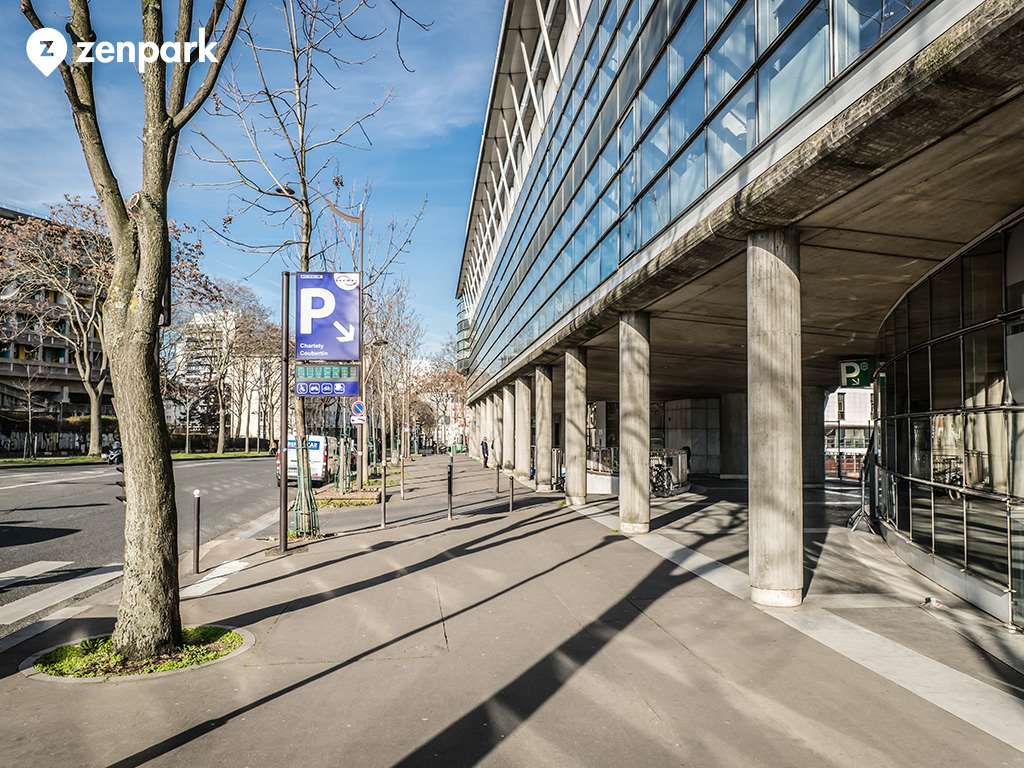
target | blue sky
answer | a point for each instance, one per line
(425, 142)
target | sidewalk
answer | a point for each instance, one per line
(533, 638)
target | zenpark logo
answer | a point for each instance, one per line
(47, 48)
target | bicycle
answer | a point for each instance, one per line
(661, 480)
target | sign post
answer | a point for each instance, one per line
(282, 443)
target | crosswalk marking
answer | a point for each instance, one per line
(17, 610)
(214, 578)
(13, 576)
(38, 627)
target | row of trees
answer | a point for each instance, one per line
(289, 176)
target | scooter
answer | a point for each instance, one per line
(114, 456)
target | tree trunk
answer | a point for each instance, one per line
(220, 419)
(188, 428)
(95, 393)
(148, 619)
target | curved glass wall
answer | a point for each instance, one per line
(660, 99)
(949, 397)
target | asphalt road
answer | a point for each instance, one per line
(70, 514)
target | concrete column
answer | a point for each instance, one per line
(773, 418)
(733, 445)
(634, 422)
(498, 411)
(508, 434)
(542, 405)
(523, 402)
(576, 426)
(813, 418)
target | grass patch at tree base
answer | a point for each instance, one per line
(96, 656)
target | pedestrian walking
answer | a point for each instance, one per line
(484, 451)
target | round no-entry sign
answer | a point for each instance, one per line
(358, 408)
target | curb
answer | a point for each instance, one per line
(27, 667)
(102, 463)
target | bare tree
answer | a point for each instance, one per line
(148, 618)
(289, 156)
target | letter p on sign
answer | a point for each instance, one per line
(308, 312)
(854, 373)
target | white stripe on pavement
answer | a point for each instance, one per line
(213, 579)
(13, 576)
(39, 601)
(38, 627)
(201, 587)
(65, 479)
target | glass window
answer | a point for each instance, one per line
(627, 183)
(731, 57)
(688, 176)
(984, 373)
(921, 448)
(949, 525)
(627, 235)
(627, 135)
(654, 151)
(654, 209)
(917, 315)
(629, 78)
(900, 316)
(732, 132)
(654, 35)
(903, 504)
(1015, 267)
(920, 397)
(983, 280)
(774, 16)
(653, 94)
(686, 44)
(945, 304)
(858, 25)
(893, 11)
(717, 11)
(902, 446)
(609, 253)
(948, 448)
(1017, 455)
(688, 108)
(796, 70)
(946, 376)
(986, 451)
(630, 19)
(899, 385)
(987, 539)
(921, 515)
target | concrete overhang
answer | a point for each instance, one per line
(898, 180)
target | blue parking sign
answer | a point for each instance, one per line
(327, 316)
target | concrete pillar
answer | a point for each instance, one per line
(773, 418)
(542, 417)
(576, 426)
(508, 434)
(634, 422)
(813, 420)
(498, 410)
(733, 445)
(523, 405)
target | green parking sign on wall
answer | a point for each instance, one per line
(855, 373)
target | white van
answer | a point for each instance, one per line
(322, 452)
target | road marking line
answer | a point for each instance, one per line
(201, 587)
(37, 568)
(101, 473)
(38, 627)
(226, 569)
(39, 601)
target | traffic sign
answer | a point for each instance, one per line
(855, 373)
(327, 316)
(327, 388)
(330, 379)
(359, 419)
(359, 408)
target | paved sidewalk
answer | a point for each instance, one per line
(532, 638)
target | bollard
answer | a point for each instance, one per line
(195, 549)
(450, 480)
(401, 477)
(511, 491)
(383, 494)
(497, 480)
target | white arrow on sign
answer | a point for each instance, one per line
(348, 332)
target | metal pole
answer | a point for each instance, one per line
(401, 478)
(497, 480)
(195, 540)
(361, 463)
(282, 443)
(511, 491)
(450, 481)
(383, 494)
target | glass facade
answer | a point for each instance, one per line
(660, 99)
(951, 429)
